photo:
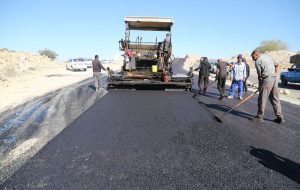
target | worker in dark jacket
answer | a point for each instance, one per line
(97, 66)
(221, 75)
(203, 68)
(247, 74)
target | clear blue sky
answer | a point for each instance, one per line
(82, 28)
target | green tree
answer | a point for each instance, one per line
(272, 45)
(49, 53)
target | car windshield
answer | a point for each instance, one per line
(78, 60)
(105, 61)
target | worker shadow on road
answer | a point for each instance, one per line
(212, 95)
(277, 163)
(207, 94)
(225, 108)
(56, 75)
(92, 87)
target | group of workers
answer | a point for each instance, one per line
(267, 71)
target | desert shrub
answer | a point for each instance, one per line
(9, 72)
(272, 45)
(3, 49)
(49, 53)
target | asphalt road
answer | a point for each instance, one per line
(167, 140)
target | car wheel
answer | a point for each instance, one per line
(72, 68)
(67, 67)
(84, 69)
(283, 80)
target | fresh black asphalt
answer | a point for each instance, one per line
(167, 140)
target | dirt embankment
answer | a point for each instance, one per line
(15, 64)
(38, 99)
(24, 76)
(282, 57)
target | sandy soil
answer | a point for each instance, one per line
(26, 87)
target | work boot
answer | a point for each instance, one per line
(279, 120)
(258, 119)
(195, 94)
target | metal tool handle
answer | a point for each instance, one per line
(240, 103)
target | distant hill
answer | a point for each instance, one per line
(13, 64)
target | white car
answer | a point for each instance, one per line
(213, 67)
(88, 63)
(107, 61)
(76, 64)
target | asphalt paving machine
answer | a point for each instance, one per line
(148, 63)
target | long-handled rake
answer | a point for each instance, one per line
(220, 117)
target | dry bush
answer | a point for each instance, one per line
(272, 45)
(9, 72)
(48, 53)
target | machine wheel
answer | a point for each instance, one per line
(283, 80)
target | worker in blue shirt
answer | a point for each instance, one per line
(238, 77)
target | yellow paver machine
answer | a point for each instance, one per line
(148, 63)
